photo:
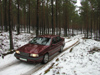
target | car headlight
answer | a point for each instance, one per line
(34, 55)
(18, 52)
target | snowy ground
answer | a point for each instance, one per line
(82, 59)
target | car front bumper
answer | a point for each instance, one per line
(28, 58)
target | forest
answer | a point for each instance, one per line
(50, 17)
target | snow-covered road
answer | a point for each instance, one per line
(11, 66)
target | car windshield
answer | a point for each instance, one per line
(40, 41)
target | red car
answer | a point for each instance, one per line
(40, 48)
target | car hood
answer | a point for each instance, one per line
(32, 48)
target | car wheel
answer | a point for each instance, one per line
(45, 58)
(61, 49)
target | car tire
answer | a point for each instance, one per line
(45, 58)
(61, 49)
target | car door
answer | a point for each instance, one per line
(59, 43)
(53, 47)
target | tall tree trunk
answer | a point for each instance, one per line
(24, 18)
(56, 17)
(60, 18)
(37, 23)
(1, 16)
(5, 16)
(72, 26)
(91, 23)
(42, 21)
(18, 26)
(47, 17)
(52, 17)
(97, 25)
(66, 20)
(29, 16)
(43, 13)
(98, 20)
(87, 27)
(10, 26)
(94, 25)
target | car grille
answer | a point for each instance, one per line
(24, 54)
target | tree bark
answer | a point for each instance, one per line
(52, 18)
(5, 16)
(29, 16)
(10, 26)
(37, 23)
(24, 18)
(56, 17)
(1, 18)
(18, 26)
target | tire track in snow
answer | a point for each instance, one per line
(39, 66)
(9, 65)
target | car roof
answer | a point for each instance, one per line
(48, 36)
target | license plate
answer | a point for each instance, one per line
(23, 59)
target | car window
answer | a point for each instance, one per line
(40, 41)
(58, 39)
(54, 41)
